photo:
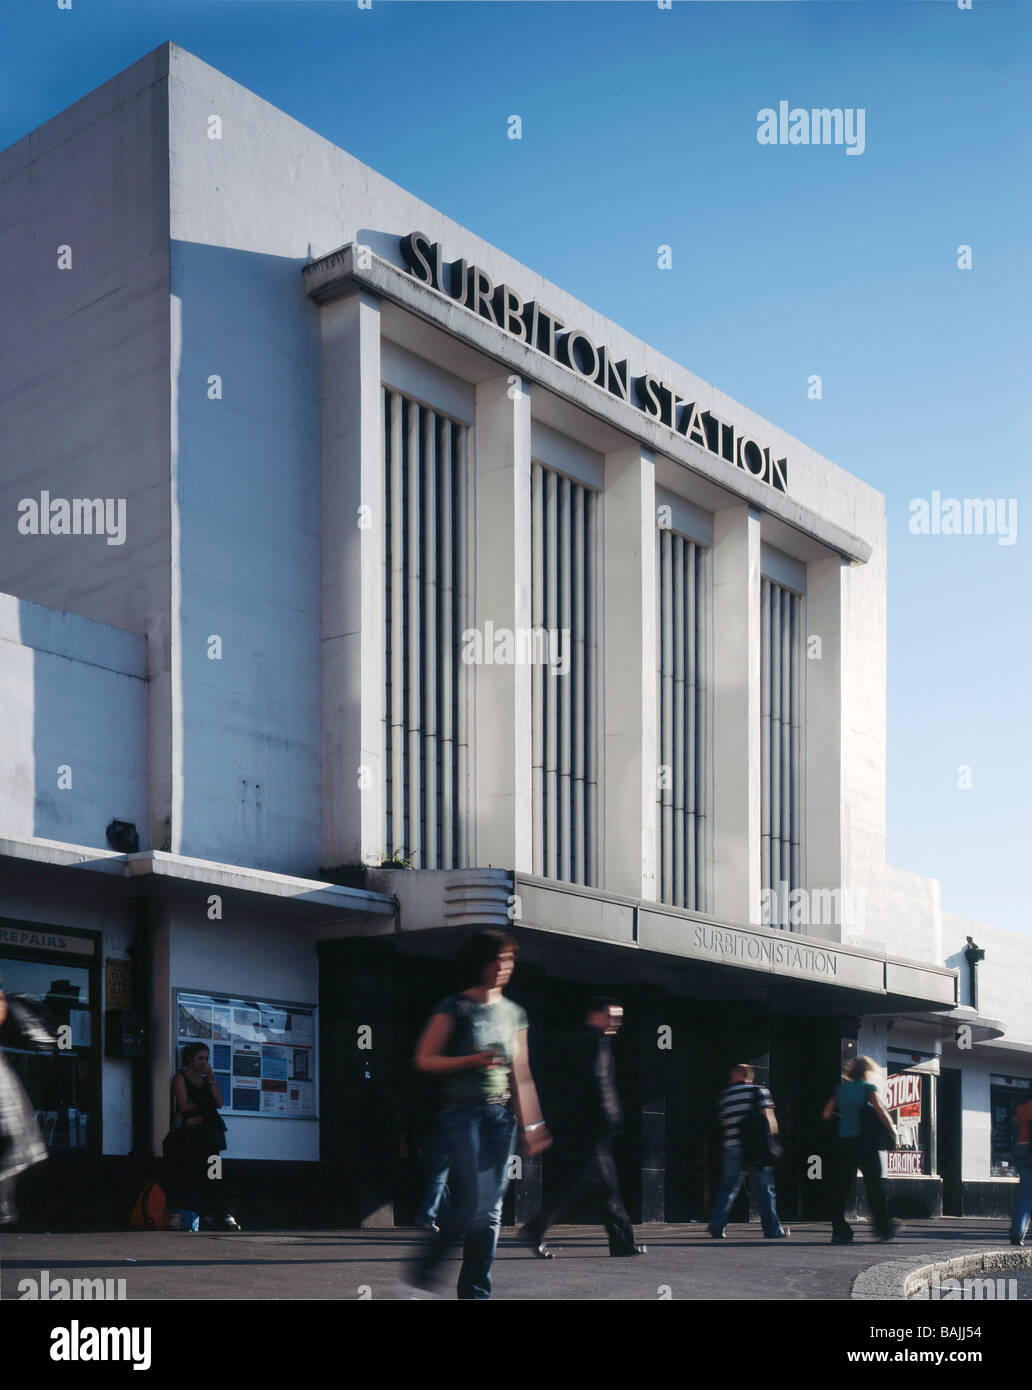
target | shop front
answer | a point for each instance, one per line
(176, 951)
(59, 973)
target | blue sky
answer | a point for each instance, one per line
(639, 130)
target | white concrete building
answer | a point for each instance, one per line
(404, 554)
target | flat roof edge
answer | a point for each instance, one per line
(752, 948)
(181, 868)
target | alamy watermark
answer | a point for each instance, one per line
(783, 906)
(49, 1290)
(82, 1343)
(815, 126)
(985, 1290)
(76, 516)
(967, 516)
(526, 646)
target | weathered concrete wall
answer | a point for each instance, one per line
(1004, 976)
(84, 395)
(903, 914)
(73, 733)
(247, 477)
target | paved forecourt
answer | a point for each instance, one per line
(683, 1263)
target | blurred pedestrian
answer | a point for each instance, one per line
(20, 1145)
(1023, 1165)
(476, 1041)
(436, 1161)
(587, 1120)
(420, 1144)
(749, 1129)
(862, 1118)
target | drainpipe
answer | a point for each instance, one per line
(141, 1088)
(973, 954)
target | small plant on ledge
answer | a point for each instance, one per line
(395, 860)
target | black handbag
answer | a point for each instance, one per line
(760, 1148)
(873, 1133)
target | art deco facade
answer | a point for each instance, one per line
(427, 563)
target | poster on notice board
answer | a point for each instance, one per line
(262, 1052)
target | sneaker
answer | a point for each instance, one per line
(780, 1235)
(634, 1250)
(717, 1235)
(1016, 1242)
(231, 1224)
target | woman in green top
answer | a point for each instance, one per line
(476, 1041)
(854, 1093)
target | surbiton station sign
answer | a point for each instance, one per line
(539, 328)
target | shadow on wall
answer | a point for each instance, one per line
(82, 687)
(246, 363)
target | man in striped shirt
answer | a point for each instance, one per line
(740, 1099)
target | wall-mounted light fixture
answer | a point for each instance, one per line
(123, 836)
(973, 954)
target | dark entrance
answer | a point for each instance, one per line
(949, 1131)
(672, 1056)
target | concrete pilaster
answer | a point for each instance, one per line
(501, 728)
(354, 583)
(825, 813)
(736, 713)
(629, 577)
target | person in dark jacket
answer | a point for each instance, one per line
(589, 1118)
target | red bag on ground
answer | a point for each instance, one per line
(151, 1210)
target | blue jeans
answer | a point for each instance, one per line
(479, 1139)
(1023, 1201)
(761, 1185)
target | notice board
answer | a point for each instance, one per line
(263, 1051)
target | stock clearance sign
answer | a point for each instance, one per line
(903, 1095)
(539, 328)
